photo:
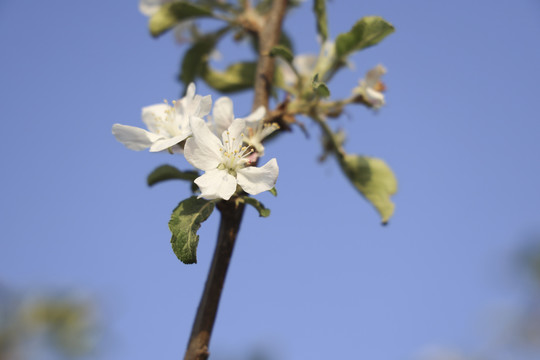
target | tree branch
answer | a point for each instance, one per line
(231, 212)
(268, 38)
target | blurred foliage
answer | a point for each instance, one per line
(32, 326)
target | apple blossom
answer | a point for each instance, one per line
(225, 162)
(371, 87)
(167, 124)
(256, 130)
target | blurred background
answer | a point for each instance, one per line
(86, 266)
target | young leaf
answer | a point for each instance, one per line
(374, 179)
(196, 57)
(283, 52)
(186, 219)
(239, 76)
(168, 172)
(172, 13)
(319, 87)
(319, 6)
(273, 191)
(263, 211)
(368, 31)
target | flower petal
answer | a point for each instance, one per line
(216, 184)
(149, 7)
(255, 116)
(223, 114)
(205, 106)
(205, 139)
(373, 76)
(255, 180)
(151, 114)
(134, 138)
(236, 128)
(374, 97)
(190, 92)
(163, 144)
(200, 157)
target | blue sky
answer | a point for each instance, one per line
(320, 278)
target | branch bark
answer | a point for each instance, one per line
(232, 213)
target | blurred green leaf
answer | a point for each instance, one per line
(196, 58)
(236, 77)
(172, 13)
(319, 6)
(168, 172)
(374, 179)
(263, 211)
(319, 87)
(368, 31)
(186, 219)
(283, 52)
(273, 191)
(284, 40)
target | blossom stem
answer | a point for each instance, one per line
(330, 135)
(231, 212)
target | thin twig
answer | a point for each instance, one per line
(231, 212)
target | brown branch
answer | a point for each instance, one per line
(268, 38)
(231, 217)
(231, 211)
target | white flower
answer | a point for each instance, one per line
(307, 65)
(304, 65)
(167, 124)
(256, 130)
(225, 162)
(181, 30)
(371, 87)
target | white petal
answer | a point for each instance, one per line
(305, 64)
(151, 113)
(190, 92)
(205, 106)
(134, 138)
(216, 184)
(200, 157)
(374, 97)
(237, 128)
(255, 116)
(163, 144)
(289, 76)
(223, 114)
(149, 7)
(373, 76)
(255, 180)
(206, 140)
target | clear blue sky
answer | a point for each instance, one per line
(319, 278)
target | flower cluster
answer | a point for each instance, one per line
(227, 162)
(371, 87)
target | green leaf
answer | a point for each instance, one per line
(319, 87)
(374, 179)
(186, 219)
(282, 51)
(237, 77)
(319, 6)
(263, 211)
(368, 31)
(168, 172)
(195, 59)
(284, 40)
(171, 14)
(273, 191)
